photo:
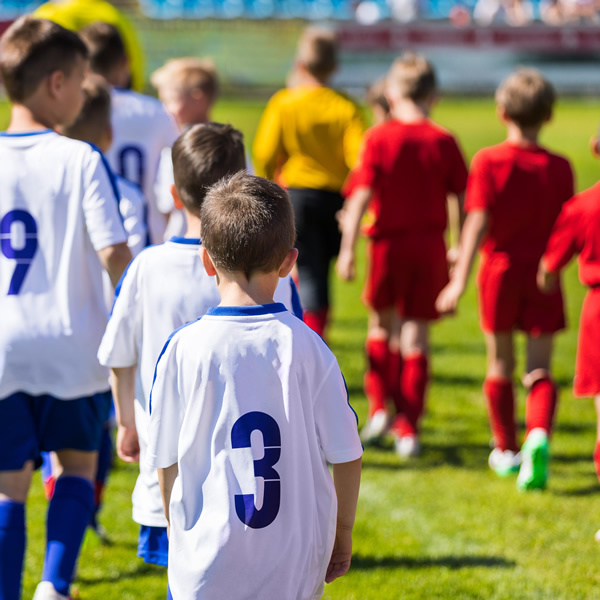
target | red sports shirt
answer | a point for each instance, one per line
(411, 168)
(523, 190)
(577, 231)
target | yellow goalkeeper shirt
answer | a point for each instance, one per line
(313, 134)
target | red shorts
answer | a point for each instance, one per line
(406, 272)
(587, 363)
(509, 298)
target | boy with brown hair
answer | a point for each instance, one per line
(60, 225)
(409, 168)
(249, 366)
(313, 134)
(515, 192)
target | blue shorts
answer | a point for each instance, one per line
(153, 545)
(30, 425)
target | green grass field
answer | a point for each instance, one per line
(441, 526)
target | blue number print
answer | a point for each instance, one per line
(23, 256)
(132, 164)
(240, 438)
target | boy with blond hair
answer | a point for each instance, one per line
(311, 134)
(515, 192)
(59, 225)
(247, 406)
(409, 168)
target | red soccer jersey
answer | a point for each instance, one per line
(411, 168)
(523, 190)
(577, 231)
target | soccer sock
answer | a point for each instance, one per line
(169, 595)
(12, 548)
(48, 478)
(541, 405)
(415, 375)
(68, 516)
(597, 459)
(376, 377)
(317, 319)
(394, 383)
(105, 456)
(500, 398)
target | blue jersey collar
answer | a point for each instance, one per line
(183, 240)
(26, 133)
(247, 311)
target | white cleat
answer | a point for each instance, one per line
(45, 591)
(375, 427)
(408, 446)
(504, 462)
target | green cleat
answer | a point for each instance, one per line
(535, 458)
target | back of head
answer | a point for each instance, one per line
(185, 75)
(31, 49)
(93, 121)
(526, 98)
(412, 76)
(375, 95)
(203, 155)
(106, 48)
(317, 52)
(247, 224)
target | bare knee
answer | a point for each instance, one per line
(14, 485)
(76, 463)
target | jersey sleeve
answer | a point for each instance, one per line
(101, 204)
(353, 135)
(132, 207)
(480, 191)
(164, 180)
(167, 410)
(335, 420)
(268, 143)
(365, 172)
(566, 236)
(457, 174)
(119, 346)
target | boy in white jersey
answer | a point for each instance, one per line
(164, 288)
(59, 225)
(247, 406)
(142, 127)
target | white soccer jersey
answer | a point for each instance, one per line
(142, 129)
(132, 206)
(165, 287)
(250, 403)
(58, 208)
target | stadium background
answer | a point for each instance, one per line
(442, 526)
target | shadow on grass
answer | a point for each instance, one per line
(134, 570)
(362, 562)
(590, 490)
(570, 459)
(458, 379)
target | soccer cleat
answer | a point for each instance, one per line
(375, 427)
(45, 591)
(534, 466)
(504, 462)
(408, 446)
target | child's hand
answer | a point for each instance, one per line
(345, 266)
(128, 445)
(447, 301)
(452, 258)
(341, 555)
(546, 282)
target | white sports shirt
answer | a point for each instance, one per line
(132, 206)
(58, 208)
(165, 287)
(142, 129)
(250, 403)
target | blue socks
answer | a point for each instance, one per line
(12, 548)
(68, 516)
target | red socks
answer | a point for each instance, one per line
(377, 375)
(317, 320)
(541, 405)
(501, 411)
(414, 378)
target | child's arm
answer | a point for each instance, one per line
(456, 220)
(268, 150)
(346, 477)
(166, 479)
(123, 383)
(115, 259)
(475, 226)
(353, 211)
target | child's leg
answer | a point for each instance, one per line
(395, 365)
(14, 487)
(105, 458)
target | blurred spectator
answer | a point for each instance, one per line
(511, 12)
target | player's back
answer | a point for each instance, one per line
(142, 129)
(411, 168)
(263, 406)
(523, 189)
(58, 209)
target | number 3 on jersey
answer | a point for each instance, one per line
(240, 438)
(23, 254)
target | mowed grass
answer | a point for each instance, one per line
(442, 526)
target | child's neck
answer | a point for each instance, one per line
(527, 136)
(305, 79)
(24, 118)
(237, 290)
(193, 225)
(408, 111)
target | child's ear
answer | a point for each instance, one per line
(288, 262)
(176, 199)
(55, 83)
(209, 266)
(594, 146)
(501, 112)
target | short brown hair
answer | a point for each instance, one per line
(31, 49)
(202, 155)
(188, 74)
(94, 119)
(526, 97)
(247, 224)
(413, 76)
(317, 51)
(106, 47)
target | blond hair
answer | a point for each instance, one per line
(412, 76)
(187, 74)
(317, 52)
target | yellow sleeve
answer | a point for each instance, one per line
(353, 136)
(268, 147)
